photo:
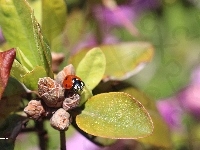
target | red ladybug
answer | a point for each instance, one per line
(72, 82)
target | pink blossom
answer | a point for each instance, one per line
(171, 112)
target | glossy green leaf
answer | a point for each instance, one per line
(23, 60)
(37, 7)
(31, 78)
(21, 29)
(11, 98)
(53, 20)
(18, 71)
(85, 95)
(92, 67)
(115, 115)
(100, 141)
(122, 60)
(160, 126)
(157, 139)
(126, 59)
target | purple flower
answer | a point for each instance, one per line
(196, 76)
(89, 41)
(1, 37)
(110, 16)
(143, 5)
(79, 142)
(189, 98)
(171, 112)
(118, 16)
(113, 17)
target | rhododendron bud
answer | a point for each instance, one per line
(51, 92)
(68, 70)
(60, 120)
(71, 102)
(34, 110)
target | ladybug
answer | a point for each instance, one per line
(72, 82)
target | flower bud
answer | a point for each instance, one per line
(51, 92)
(68, 70)
(34, 110)
(60, 120)
(71, 102)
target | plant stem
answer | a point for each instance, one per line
(42, 134)
(62, 141)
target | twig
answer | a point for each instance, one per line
(62, 141)
(42, 134)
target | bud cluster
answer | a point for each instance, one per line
(54, 100)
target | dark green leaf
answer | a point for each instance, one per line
(11, 98)
(9, 129)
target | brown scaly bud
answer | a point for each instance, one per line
(68, 70)
(60, 120)
(51, 92)
(71, 102)
(34, 110)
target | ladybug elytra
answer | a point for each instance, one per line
(72, 82)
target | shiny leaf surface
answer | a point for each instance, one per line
(115, 115)
(92, 67)
(122, 60)
(160, 126)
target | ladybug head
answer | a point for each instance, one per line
(78, 85)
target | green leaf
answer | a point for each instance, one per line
(100, 141)
(126, 59)
(17, 71)
(11, 98)
(92, 67)
(76, 28)
(115, 115)
(23, 60)
(122, 60)
(53, 20)
(85, 95)
(21, 29)
(31, 78)
(160, 126)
